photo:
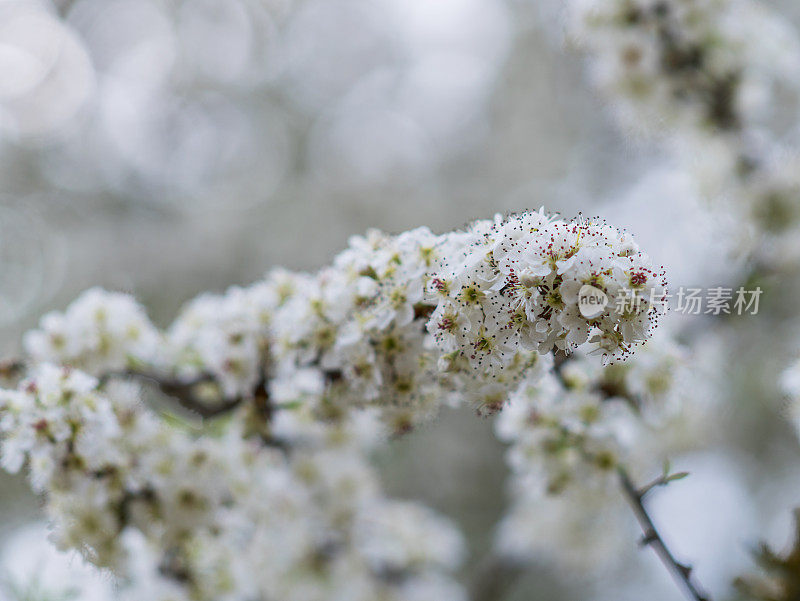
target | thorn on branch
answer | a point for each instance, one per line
(648, 539)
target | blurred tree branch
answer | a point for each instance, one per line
(493, 579)
(779, 579)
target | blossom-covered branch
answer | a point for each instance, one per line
(396, 321)
(225, 516)
(310, 370)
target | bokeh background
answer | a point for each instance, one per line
(168, 147)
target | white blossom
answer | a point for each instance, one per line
(100, 331)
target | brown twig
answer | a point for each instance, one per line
(184, 392)
(682, 573)
(11, 368)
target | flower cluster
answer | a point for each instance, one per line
(572, 429)
(399, 321)
(708, 76)
(230, 518)
(99, 332)
(706, 65)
